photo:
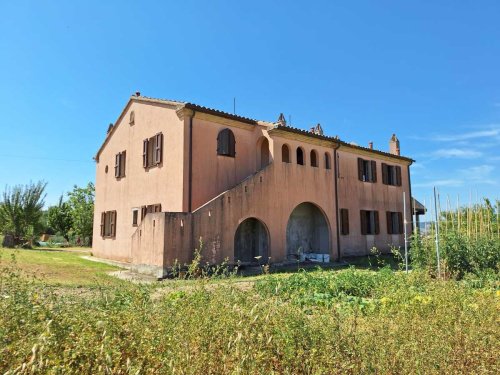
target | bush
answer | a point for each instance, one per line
(460, 254)
(412, 325)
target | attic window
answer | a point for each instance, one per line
(132, 118)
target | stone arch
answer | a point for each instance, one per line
(251, 241)
(285, 154)
(263, 154)
(301, 160)
(307, 231)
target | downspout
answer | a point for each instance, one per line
(335, 169)
(190, 163)
(411, 199)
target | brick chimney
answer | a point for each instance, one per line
(394, 145)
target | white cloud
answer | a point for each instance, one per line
(480, 174)
(492, 132)
(439, 183)
(457, 153)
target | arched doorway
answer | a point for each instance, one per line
(263, 156)
(251, 241)
(307, 231)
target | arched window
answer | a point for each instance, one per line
(300, 156)
(132, 118)
(285, 154)
(328, 163)
(314, 158)
(226, 143)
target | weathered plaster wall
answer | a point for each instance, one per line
(356, 195)
(162, 184)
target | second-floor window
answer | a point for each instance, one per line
(226, 144)
(369, 222)
(152, 151)
(391, 174)
(367, 170)
(120, 160)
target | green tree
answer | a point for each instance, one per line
(59, 218)
(81, 203)
(21, 210)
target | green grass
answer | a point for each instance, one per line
(352, 321)
(55, 267)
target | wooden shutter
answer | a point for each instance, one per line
(117, 165)
(400, 223)
(222, 142)
(158, 150)
(398, 175)
(144, 211)
(344, 220)
(389, 222)
(360, 169)
(103, 221)
(145, 153)
(377, 224)
(112, 223)
(385, 174)
(231, 143)
(362, 215)
(122, 163)
(157, 208)
(374, 170)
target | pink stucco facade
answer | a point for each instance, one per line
(247, 206)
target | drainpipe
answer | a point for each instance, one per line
(190, 164)
(411, 198)
(335, 169)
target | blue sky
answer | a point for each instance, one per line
(428, 71)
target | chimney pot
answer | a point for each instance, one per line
(394, 145)
(137, 93)
(370, 145)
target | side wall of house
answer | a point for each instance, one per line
(213, 174)
(355, 195)
(158, 185)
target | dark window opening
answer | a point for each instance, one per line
(132, 118)
(328, 164)
(285, 154)
(152, 151)
(369, 222)
(108, 224)
(391, 174)
(344, 221)
(367, 170)
(135, 217)
(120, 160)
(314, 158)
(300, 156)
(226, 144)
(395, 223)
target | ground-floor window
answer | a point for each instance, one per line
(369, 222)
(344, 221)
(151, 208)
(108, 224)
(394, 222)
